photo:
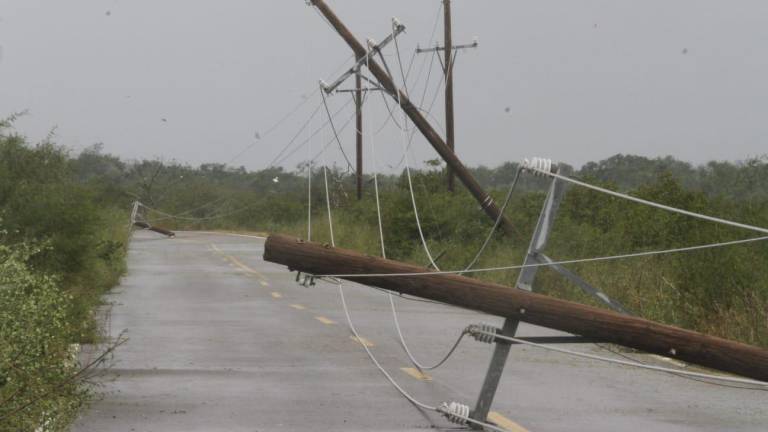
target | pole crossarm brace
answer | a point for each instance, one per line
(486, 202)
(516, 304)
(362, 60)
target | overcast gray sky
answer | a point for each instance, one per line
(573, 80)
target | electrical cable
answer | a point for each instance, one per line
(390, 117)
(556, 263)
(629, 363)
(342, 128)
(178, 215)
(649, 203)
(295, 136)
(335, 133)
(457, 413)
(272, 128)
(690, 378)
(445, 409)
(393, 308)
(310, 136)
(496, 223)
(410, 181)
(196, 219)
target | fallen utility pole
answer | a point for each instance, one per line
(495, 299)
(486, 202)
(157, 229)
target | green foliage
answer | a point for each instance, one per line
(37, 367)
(48, 294)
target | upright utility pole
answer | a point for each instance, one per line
(448, 50)
(447, 41)
(359, 131)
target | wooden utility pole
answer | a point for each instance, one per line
(359, 131)
(574, 318)
(447, 63)
(447, 41)
(157, 229)
(486, 202)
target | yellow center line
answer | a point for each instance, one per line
(415, 373)
(263, 283)
(240, 264)
(276, 295)
(325, 320)
(505, 423)
(362, 340)
(298, 306)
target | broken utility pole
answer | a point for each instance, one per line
(447, 64)
(574, 318)
(486, 202)
(157, 229)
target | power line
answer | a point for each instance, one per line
(335, 134)
(556, 263)
(538, 169)
(629, 363)
(312, 135)
(454, 412)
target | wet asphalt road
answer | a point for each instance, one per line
(222, 341)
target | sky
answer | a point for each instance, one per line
(204, 81)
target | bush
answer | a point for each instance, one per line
(37, 368)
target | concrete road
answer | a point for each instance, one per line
(222, 341)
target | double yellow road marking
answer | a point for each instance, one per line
(239, 264)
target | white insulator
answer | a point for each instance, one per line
(455, 412)
(323, 84)
(483, 332)
(395, 22)
(539, 166)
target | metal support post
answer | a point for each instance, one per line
(524, 282)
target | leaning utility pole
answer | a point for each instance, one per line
(486, 201)
(520, 305)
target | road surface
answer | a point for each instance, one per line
(222, 341)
